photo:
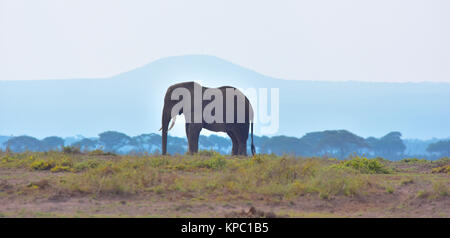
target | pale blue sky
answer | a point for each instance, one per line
(332, 40)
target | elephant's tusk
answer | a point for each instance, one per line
(173, 122)
(171, 125)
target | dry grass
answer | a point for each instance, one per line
(210, 177)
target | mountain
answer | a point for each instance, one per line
(132, 102)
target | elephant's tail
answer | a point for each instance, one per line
(253, 146)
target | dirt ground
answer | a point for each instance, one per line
(16, 200)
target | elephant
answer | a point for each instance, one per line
(192, 100)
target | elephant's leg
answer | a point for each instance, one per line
(189, 139)
(234, 150)
(194, 134)
(243, 147)
(241, 134)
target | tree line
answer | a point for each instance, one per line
(330, 143)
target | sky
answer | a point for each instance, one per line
(326, 40)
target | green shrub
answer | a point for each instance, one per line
(216, 162)
(389, 189)
(442, 169)
(331, 181)
(61, 168)
(414, 161)
(208, 153)
(71, 150)
(100, 152)
(364, 165)
(441, 189)
(41, 165)
(119, 178)
(6, 159)
(55, 164)
(406, 181)
(88, 164)
(281, 171)
(443, 161)
(381, 159)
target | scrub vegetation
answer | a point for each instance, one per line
(208, 184)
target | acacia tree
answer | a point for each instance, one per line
(52, 143)
(341, 143)
(113, 140)
(283, 145)
(441, 147)
(23, 143)
(86, 144)
(390, 145)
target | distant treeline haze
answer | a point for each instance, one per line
(331, 143)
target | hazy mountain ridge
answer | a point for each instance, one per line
(333, 143)
(132, 102)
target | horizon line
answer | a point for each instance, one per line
(219, 135)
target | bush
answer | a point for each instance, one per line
(217, 162)
(382, 160)
(414, 161)
(440, 189)
(443, 161)
(119, 178)
(71, 150)
(61, 168)
(442, 169)
(100, 152)
(364, 165)
(207, 153)
(88, 164)
(41, 165)
(53, 164)
(331, 181)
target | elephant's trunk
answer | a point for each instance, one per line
(165, 125)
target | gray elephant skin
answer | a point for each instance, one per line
(237, 129)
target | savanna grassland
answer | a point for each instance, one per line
(98, 184)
